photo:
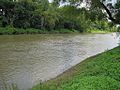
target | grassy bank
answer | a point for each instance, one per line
(100, 72)
(16, 31)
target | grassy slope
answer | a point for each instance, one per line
(101, 72)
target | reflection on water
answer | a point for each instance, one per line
(27, 59)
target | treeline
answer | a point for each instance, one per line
(40, 14)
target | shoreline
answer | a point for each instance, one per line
(31, 31)
(63, 80)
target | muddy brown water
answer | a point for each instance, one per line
(25, 60)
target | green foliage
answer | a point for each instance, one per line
(92, 83)
(14, 87)
(23, 12)
(73, 18)
(96, 14)
(10, 30)
(117, 15)
(6, 30)
(101, 27)
(42, 15)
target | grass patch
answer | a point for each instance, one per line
(100, 72)
(106, 30)
(98, 31)
(15, 31)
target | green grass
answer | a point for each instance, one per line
(11, 31)
(98, 31)
(100, 72)
(107, 30)
(14, 31)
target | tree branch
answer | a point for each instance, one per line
(108, 12)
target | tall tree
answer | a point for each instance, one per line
(22, 13)
(7, 10)
(92, 3)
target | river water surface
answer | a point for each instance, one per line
(28, 59)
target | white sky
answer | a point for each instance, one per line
(50, 0)
(112, 1)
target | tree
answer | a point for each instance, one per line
(22, 13)
(7, 11)
(92, 3)
(117, 15)
(45, 16)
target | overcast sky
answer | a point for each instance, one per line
(50, 0)
(112, 1)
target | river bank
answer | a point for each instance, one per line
(100, 72)
(16, 31)
(41, 57)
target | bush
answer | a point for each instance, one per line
(21, 24)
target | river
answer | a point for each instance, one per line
(28, 59)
